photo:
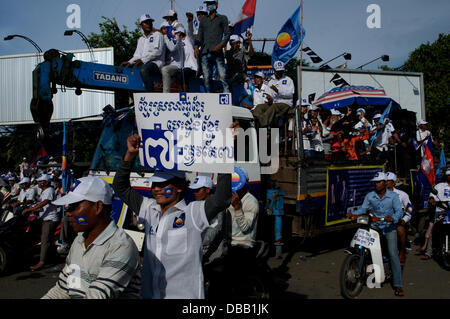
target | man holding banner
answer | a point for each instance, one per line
(172, 253)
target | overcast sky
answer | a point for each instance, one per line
(332, 27)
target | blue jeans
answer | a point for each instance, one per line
(208, 61)
(150, 73)
(391, 238)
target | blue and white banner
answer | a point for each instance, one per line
(185, 131)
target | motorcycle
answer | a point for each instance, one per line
(365, 265)
(20, 240)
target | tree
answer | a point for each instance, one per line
(123, 41)
(433, 60)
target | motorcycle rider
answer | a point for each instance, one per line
(443, 195)
(386, 204)
(27, 194)
(407, 208)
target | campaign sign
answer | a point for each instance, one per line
(346, 190)
(185, 131)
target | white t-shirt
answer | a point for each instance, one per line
(172, 258)
(244, 222)
(29, 194)
(443, 195)
(420, 135)
(382, 138)
(189, 58)
(150, 48)
(286, 89)
(48, 212)
(404, 200)
(259, 95)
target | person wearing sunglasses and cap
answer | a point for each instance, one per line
(47, 214)
(103, 262)
(172, 266)
(149, 56)
(385, 204)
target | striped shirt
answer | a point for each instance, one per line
(108, 268)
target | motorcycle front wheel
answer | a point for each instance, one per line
(351, 280)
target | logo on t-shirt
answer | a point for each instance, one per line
(284, 82)
(179, 221)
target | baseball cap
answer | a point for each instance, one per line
(313, 108)
(260, 74)
(164, 24)
(170, 14)
(238, 179)
(163, 176)
(202, 8)
(380, 176)
(360, 110)
(278, 66)
(180, 29)
(336, 112)
(24, 180)
(11, 178)
(377, 116)
(202, 181)
(304, 102)
(145, 17)
(391, 176)
(43, 177)
(89, 188)
(234, 38)
(447, 172)
(423, 122)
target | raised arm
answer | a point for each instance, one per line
(121, 183)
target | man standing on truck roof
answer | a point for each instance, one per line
(213, 36)
(172, 266)
(150, 53)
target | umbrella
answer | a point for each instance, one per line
(349, 95)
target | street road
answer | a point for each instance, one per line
(306, 271)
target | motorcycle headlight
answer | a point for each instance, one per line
(363, 219)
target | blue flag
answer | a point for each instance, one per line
(441, 167)
(288, 39)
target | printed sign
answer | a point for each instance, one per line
(185, 131)
(346, 189)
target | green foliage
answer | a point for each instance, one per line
(433, 60)
(123, 41)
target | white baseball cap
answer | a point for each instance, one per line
(423, 122)
(336, 112)
(304, 102)
(163, 176)
(360, 110)
(202, 181)
(202, 8)
(278, 66)
(313, 108)
(180, 29)
(89, 188)
(380, 176)
(234, 38)
(391, 176)
(11, 178)
(145, 17)
(447, 172)
(260, 74)
(43, 178)
(24, 180)
(377, 116)
(164, 24)
(170, 14)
